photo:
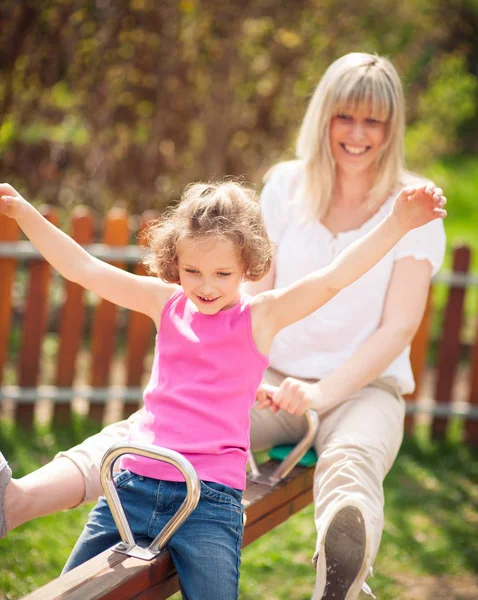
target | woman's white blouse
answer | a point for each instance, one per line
(318, 344)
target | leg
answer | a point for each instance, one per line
(357, 444)
(99, 534)
(87, 455)
(70, 479)
(56, 486)
(138, 498)
(206, 549)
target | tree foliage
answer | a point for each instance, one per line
(107, 101)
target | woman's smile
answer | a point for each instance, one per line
(357, 150)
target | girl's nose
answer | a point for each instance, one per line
(207, 287)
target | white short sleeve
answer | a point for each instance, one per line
(276, 199)
(424, 243)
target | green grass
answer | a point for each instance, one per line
(430, 532)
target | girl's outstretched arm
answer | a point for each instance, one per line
(144, 294)
(415, 206)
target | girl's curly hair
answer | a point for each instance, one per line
(227, 209)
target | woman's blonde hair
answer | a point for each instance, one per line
(351, 81)
(228, 210)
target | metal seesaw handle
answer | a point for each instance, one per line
(128, 544)
(291, 460)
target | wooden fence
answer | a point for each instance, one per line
(59, 343)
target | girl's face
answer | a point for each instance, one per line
(210, 273)
(356, 140)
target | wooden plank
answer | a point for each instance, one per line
(418, 357)
(72, 318)
(34, 327)
(258, 498)
(9, 232)
(116, 233)
(160, 591)
(449, 353)
(139, 336)
(113, 576)
(278, 515)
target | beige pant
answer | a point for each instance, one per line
(356, 445)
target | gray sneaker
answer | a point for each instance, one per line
(5, 476)
(341, 563)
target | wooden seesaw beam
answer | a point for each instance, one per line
(115, 576)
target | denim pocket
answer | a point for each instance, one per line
(123, 478)
(221, 497)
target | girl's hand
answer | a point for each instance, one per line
(293, 395)
(418, 205)
(11, 203)
(265, 395)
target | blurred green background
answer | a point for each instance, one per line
(126, 101)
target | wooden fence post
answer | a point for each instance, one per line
(116, 233)
(418, 357)
(449, 353)
(140, 328)
(471, 427)
(72, 318)
(34, 326)
(9, 232)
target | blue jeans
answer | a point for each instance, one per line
(206, 549)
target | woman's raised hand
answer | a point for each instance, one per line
(418, 205)
(11, 202)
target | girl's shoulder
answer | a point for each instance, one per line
(166, 294)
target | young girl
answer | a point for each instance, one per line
(210, 355)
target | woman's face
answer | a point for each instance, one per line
(356, 140)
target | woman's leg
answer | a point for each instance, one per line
(70, 479)
(357, 444)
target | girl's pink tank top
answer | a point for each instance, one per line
(205, 375)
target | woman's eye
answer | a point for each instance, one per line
(343, 116)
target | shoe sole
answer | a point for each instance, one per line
(344, 550)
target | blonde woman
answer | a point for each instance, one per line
(348, 360)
